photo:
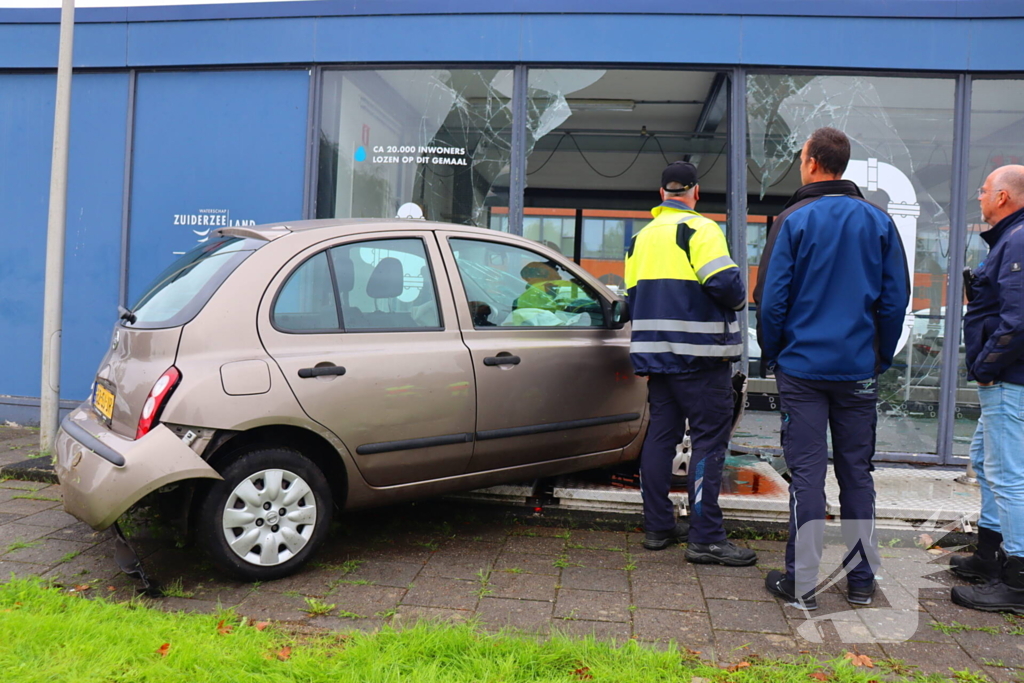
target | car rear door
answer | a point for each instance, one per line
(553, 381)
(364, 329)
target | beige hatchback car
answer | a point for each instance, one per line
(278, 371)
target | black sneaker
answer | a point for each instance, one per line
(723, 552)
(779, 585)
(659, 540)
(860, 593)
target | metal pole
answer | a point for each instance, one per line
(53, 300)
(949, 374)
(517, 184)
(736, 172)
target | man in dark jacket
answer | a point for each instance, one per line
(832, 295)
(994, 337)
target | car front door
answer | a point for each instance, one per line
(553, 380)
(364, 329)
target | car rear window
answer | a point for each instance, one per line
(178, 293)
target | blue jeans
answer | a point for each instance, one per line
(989, 512)
(1002, 407)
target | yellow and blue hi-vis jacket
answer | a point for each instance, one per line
(683, 291)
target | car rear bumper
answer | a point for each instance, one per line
(102, 474)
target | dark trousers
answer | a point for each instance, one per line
(704, 398)
(849, 410)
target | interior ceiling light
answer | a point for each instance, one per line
(578, 104)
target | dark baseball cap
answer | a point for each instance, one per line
(682, 172)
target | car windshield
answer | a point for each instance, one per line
(178, 293)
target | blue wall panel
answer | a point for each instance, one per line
(92, 261)
(221, 42)
(212, 147)
(34, 46)
(625, 39)
(425, 38)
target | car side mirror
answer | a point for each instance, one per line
(619, 315)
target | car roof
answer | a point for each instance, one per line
(344, 226)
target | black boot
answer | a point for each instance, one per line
(1004, 595)
(984, 564)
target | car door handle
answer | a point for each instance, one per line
(322, 371)
(502, 360)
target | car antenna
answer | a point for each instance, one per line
(126, 315)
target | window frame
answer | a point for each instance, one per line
(341, 329)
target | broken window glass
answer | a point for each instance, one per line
(901, 133)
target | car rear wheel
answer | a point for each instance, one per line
(268, 515)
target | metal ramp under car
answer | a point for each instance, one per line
(906, 495)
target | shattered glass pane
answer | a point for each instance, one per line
(901, 133)
(435, 143)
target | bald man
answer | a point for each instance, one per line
(994, 337)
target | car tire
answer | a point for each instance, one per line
(267, 517)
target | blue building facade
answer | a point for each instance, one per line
(550, 119)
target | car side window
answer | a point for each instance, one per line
(385, 285)
(306, 302)
(513, 287)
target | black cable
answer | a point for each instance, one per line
(557, 145)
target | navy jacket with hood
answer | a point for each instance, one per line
(994, 324)
(833, 286)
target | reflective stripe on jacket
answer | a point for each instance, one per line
(684, 291)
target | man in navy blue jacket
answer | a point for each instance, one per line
(831, 297)
(994, 340)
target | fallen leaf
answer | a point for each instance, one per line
(819, 676)
(936, 551)
(583, 673)
(111, 588)
(162, 651)
(81, 588)
(284, 654)
(925, 541)
(223, 628)
(860, 660)
(260, 625)
(738, 666)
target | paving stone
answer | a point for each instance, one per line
(931, 657)
(689, 629)
(16, 531)
(674, 555)
(339, 551)
(543, 545)
(827, 636)
(528, 616)
(366, 601)
(410, 615)
(186, 605)
(429, 591)
(545, 531)
(311, 581)
(1002, 675)
(23, 506)
(346, 625)
(993, 647)
(224, 591)
(384, 573)
(266, 605)
(599, 540)
(528, 562)
(84, 567)
(751, 572)
(946, 612)
(23, 486)
(584, 578)
(612, 632)
(20, 570)
(79, 531)
(592, 605)
(766, 562)
(659, 572)
(55, 518)
(766, 546)
(522, 586)
(47, 551)
(735, 646)
(483, 532)
(676, 596)
(596, 559)
(746, 615)
(733, 588)
(462, 562)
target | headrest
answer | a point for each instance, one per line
(344, 271)
(387, 280)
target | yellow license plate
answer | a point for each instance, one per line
(104, 401)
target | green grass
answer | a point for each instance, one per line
(67, 557)
(318, 608)
(175, 589)
(20, 544)
(50, 635)
(32, 496)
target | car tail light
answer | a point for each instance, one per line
(155, 401)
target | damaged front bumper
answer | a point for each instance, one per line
(102, 473)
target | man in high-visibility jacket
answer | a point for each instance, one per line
(684, 291)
